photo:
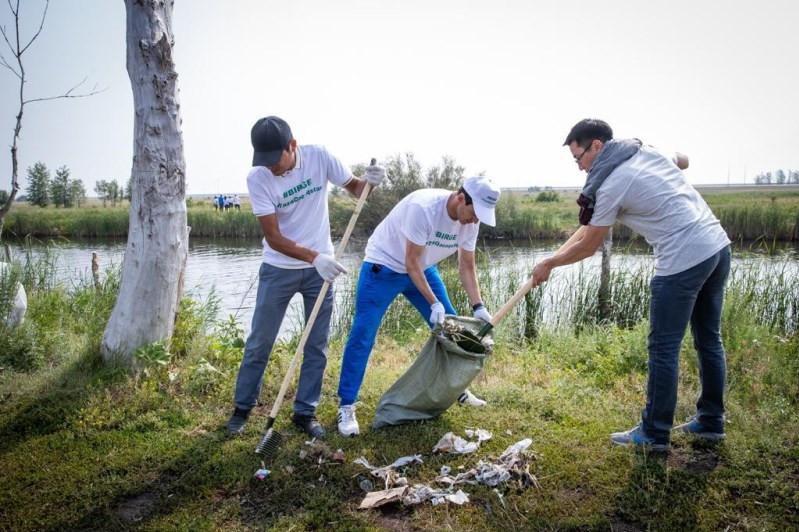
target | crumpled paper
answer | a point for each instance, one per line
(379, 498)
(450, 443)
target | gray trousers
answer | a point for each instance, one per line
(276, 287)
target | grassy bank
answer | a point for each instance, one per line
(768, 216)
(83, 446)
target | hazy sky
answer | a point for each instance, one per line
(494, 84)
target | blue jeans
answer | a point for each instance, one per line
(377, 288)
(694, 296)
(276, 287)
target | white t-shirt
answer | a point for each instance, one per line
(422, 218)
(650, 195)
(299, 198)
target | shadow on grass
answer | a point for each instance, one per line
(49, 408)
(665, 490)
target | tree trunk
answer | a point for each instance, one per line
(604, 278)
(155, 257)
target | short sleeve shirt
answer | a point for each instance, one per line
(421, 217)
(651, 196)
(299, 199)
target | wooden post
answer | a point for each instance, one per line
(96, 270)
(604, 279)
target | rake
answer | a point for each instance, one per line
(270, 441)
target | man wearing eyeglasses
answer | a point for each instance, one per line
(639, 187)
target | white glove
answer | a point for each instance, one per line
(374, 175)
(482, 314)
(328, 267)
(437, 313)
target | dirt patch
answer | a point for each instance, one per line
(698, 461)
(136, 508)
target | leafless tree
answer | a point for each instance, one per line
(155, 257)
(17, 46)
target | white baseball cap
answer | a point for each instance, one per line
(485, 195)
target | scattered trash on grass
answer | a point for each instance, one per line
(391, 477)
(513, 464)
(379, 498)
(450, 443)
(512, 467)
(262, 473)
(481, 434)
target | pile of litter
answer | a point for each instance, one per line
(512, 468)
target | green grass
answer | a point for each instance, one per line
(85, 447)
(764, 216)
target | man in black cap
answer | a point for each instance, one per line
(288, 192)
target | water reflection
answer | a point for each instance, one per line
(229, 267)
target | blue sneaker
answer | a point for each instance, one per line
(696, 429)
(636, 437)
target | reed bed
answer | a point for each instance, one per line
(762, 216)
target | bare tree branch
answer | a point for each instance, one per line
(5, 64)
(68, 94)
(10, 47)
(41, 25)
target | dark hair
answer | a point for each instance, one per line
(466, 197)
(587, 130)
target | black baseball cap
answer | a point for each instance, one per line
(270, 136)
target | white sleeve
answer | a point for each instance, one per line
(335, 171)
(467, 237)
(262, 204)
(416, 228)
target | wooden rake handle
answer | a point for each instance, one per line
(507, 307)
(318, 304)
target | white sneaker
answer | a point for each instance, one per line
(347, 422)
(469, 399)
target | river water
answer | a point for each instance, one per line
(228, 268)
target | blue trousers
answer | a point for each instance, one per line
(276, 287)
(694, 296)
(377, 288)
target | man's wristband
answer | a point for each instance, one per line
(477, 306)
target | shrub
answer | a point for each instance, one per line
(547, 196)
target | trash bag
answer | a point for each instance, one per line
(452, 357)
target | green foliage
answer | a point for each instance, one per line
(3, 196)
(152, 356)
(547, 196)
(19, 348)
(38, 190)
(109, 190)
(60, 189)
(76, 193)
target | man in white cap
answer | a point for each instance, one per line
(424, 228)
(288, 190)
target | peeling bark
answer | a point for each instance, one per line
(155, 257)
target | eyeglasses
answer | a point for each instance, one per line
(578, 157)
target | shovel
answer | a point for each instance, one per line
(473, 342)
(270, 441)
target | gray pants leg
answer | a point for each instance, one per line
(314, 357)
(276, 287)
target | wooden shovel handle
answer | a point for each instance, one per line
(318, 304)
(512, 302)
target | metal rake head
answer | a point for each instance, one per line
(269, 444)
